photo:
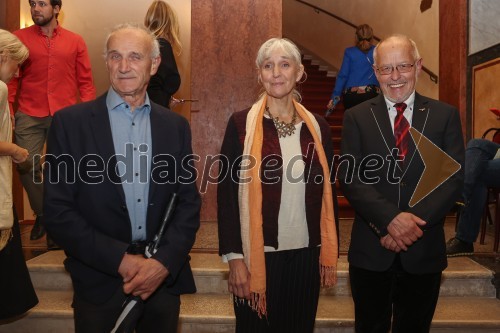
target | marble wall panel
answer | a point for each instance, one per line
(226, 35)
(484, 24)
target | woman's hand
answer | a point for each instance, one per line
(19, 155)
(330, 104)
(239, 279)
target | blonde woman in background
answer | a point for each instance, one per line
(18, 295)
(162, 21)
(356, 81)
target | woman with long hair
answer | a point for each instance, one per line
(277, 222)
(162, 21)
(18, 295)
(356, 81)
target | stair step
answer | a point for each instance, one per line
(323, 89)
(329, 81)
(208, 313)
(463, 277)
(336, 130)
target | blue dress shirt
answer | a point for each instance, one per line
(131, 133)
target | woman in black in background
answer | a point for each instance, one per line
(162, 21)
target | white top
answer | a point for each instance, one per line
(292, 222)
(6, 215)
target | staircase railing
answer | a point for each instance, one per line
(432, 75)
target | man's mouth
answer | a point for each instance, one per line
(396, 85)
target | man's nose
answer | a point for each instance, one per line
(395, 73)
(124, 65)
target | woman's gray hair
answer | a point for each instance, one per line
(272, 44)
(155, 46)
(290, 49)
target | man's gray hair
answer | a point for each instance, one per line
(155, 46)
(402, 38)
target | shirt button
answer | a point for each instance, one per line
(138, 200)
(133, 124)
(140, 227)
(137, 174)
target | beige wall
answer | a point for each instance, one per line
(93, 19)
(385, 16)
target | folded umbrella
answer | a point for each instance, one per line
(134, 306)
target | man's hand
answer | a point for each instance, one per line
(390, 244)
(141, 276)
(13, 121)
(239, 279)
(130, 266)
(404, 229)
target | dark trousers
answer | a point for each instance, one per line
(161, 313)
(408, 298)
(17, 294)
(292, 292)
(352, 99)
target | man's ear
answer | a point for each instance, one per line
(154, 65)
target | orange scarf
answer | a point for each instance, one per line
(250, 195)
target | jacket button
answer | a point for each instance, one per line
(124, 208)
(402, 184)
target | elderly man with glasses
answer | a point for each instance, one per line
(397, 250)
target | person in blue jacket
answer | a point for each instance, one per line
(356, 81)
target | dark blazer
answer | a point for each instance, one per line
(84, 202)
(367, 130)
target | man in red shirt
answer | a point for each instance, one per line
(56, 73)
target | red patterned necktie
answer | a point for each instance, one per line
(401, 128)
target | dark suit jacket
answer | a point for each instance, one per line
(367, 130)
(84, 206)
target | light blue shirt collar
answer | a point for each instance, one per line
(113, 100)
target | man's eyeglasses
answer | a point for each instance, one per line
(402, 68)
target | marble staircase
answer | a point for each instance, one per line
(467, 302)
